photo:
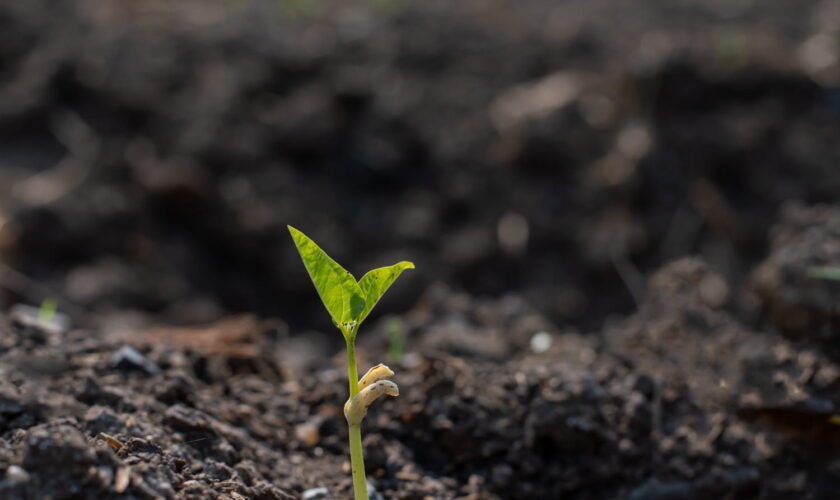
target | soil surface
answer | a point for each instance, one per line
(626, 203)
(679, 400)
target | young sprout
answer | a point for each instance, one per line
(349, 302)
(396, 339)
(824, 272)
(46, 313)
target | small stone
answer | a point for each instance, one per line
(308, 433)
(315, 493)
(541, 342)
(372, 493)
(122, 479)
(17, 474)
(129, 358)
(192, 486)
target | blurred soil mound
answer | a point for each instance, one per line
(151, 154)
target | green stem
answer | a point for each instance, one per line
(352, 373)
(357, 459)
(357, 463)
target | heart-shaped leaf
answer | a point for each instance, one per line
(337, 288)
(375, 283)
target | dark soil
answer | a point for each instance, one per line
(646, 186)
(677, 401)
(152, 157)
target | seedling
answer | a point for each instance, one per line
(46, 313)
(396, 339)
(824, 272)
(349, 302)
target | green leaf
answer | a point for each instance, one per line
(375, 283)
(337, 288)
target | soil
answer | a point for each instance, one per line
(677, 401)
(623, 201)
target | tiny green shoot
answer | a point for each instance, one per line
(349, 302)
(46, 313)
(396, 339)
(824, 272)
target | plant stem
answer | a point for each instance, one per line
(357, 463)
(352, 373)
(357, 459)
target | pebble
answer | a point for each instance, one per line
(17, 474)
(309, 432)
(541, 342)
(127, 358)
(315, 493)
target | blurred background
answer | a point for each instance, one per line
(152, 153)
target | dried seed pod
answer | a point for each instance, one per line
(375, 374)
(356, 408)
